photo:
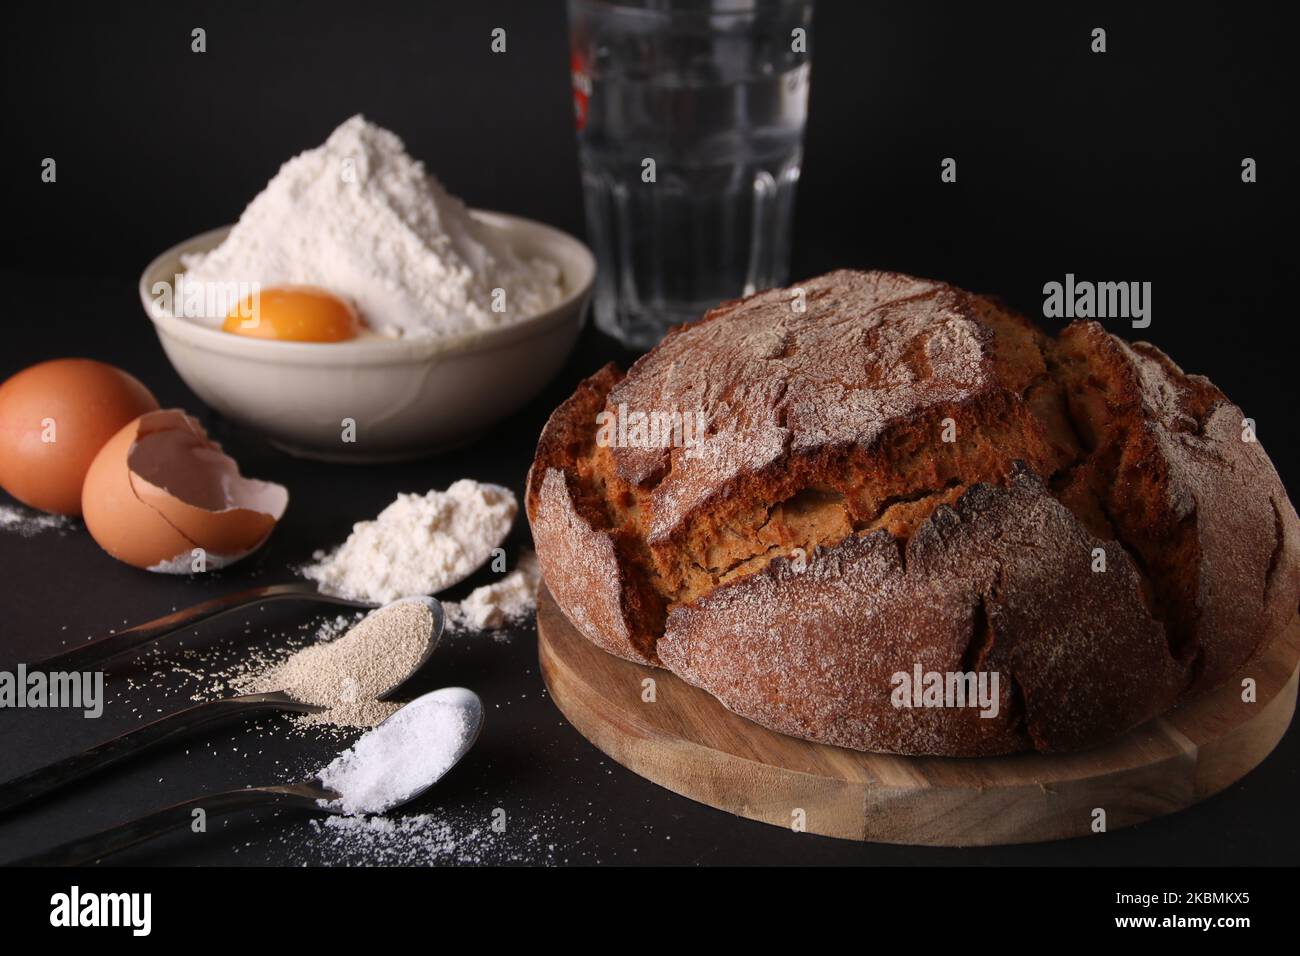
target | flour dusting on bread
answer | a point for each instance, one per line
(895, 472)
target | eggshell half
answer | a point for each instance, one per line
(160, 488)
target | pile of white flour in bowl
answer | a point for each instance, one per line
(360, 217)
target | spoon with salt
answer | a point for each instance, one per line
(383, 657)
(387, 768)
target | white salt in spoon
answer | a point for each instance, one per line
(311, 794)
(37, 783)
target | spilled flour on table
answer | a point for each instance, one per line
(507, 602)
(26, 523)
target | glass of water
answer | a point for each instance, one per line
(690, 117)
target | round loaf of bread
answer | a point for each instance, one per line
(884, 513)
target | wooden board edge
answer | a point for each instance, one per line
(1024, 812)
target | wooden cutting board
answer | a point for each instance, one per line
(688, 742)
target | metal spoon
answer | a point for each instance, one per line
(107, 646)
(309, 795)
(29, 786)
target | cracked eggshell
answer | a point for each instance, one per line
(160, 488)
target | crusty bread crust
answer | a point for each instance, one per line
(944, 475)
(605, 601)
(962, 594)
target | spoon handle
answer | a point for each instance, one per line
(91, 848)
(20, 790)
(104, 647)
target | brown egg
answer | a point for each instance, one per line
(161, 496)
(54, 418)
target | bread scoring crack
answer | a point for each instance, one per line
(1279, 543)
(850, 437)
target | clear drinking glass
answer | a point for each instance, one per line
(690, 117)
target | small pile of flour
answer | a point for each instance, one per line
(419, 544)
(361, 218)
(347, 675)
(508, 601)
(397, 759)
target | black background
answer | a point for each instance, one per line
(1122, 166)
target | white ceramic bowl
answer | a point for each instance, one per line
(408, 398)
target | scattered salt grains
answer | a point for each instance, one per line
(456, 834)
(26, 523)
(399, 758)
(419, 544)
(421, 840)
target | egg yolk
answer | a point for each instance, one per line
(294, 314)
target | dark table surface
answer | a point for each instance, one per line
(1122, 166)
